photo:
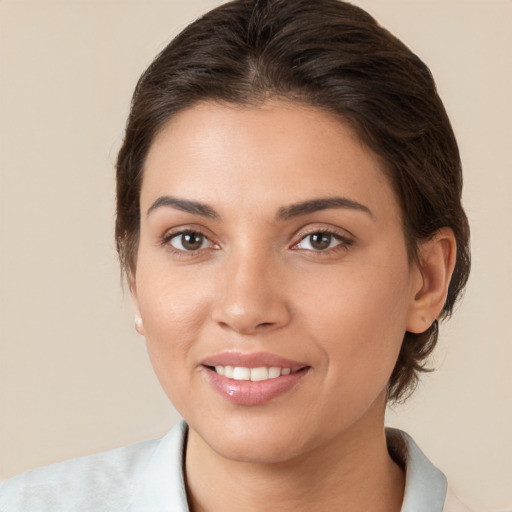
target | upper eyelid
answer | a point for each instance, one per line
(179, 230)
(333, 230)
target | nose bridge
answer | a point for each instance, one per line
(251, 298)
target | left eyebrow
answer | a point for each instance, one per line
(315, 205)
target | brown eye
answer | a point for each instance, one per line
(189, 241)
(320, 241)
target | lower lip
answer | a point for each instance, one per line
(246, 392)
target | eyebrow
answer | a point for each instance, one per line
(185, 205)
(284, 213)
(315, 205)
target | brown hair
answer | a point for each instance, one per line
(331, 55)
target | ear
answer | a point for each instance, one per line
(139, 325)
(433, 273)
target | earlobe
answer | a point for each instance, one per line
(435, 267)
(139, 325)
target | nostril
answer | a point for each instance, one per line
(250, 315)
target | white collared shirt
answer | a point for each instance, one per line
(149, 477)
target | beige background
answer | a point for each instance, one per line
(74, 377)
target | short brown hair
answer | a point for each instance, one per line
(331, 55)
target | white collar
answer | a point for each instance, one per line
(162, 485)
(425, 485)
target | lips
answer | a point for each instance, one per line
(252, 379)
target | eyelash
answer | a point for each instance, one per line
(343, 245)
(167, 239)
(344, 242)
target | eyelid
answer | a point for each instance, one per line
(204, 241)
(172, 233)
(323, 228)
(345, 237)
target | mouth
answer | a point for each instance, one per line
(259, 374)
(252, 379)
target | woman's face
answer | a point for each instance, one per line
(271, 239)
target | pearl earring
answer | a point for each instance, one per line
(139, 327)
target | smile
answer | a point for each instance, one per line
(253, 374)
(252, 379)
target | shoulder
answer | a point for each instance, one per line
(100, 482)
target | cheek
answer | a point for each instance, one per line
(174, 309)
(359, 320)
(167, 308)
(170, 298)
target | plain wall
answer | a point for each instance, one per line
(74, 376)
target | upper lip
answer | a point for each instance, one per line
(251, 360)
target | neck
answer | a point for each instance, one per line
(352, 472)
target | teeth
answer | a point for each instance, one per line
(274, 372)
(241, 373)
(259, 374)
(253, 374)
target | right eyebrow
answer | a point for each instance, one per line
(184, 205)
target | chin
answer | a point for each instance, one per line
(256, 449)
(257, 439)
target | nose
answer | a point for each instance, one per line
(252, 296)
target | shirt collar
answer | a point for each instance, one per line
(425, 485)
(162, 485)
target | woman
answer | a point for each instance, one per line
(290, 225)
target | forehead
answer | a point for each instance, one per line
(279, 151)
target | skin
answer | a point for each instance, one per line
(258, 284)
